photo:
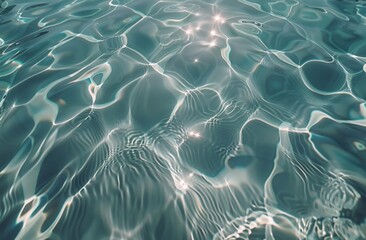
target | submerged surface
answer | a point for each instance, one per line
(146, 119)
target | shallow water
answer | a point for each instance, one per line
(237, 119)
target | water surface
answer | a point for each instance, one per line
(147, 119)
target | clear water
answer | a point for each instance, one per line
(201, 119)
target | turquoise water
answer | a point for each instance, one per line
(147, 119)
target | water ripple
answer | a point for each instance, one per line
(182, 120)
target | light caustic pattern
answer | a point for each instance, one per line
(237, 119)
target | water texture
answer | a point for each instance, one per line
(199, 119)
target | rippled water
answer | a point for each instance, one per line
(146, 119)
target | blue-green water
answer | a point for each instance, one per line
(147, 119)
